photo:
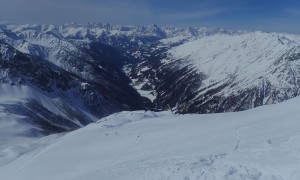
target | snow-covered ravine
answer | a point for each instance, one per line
(261, 143)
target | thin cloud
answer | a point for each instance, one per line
(116, 12)
(188, 16)
(54, 11)
(293, 11)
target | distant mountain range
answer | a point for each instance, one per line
(60, 78)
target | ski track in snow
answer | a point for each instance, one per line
(133, 145)
(238, 138)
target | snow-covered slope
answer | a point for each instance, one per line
(67, 84)
(228, 72)
(239, 59)
(261, 143)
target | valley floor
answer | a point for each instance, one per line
(261, 143)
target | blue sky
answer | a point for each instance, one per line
(267, 15)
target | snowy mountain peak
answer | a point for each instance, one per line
(190, 70)
(96, 29)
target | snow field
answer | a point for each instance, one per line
(261, 143)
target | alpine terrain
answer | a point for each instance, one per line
(56, 79)
(90, 71)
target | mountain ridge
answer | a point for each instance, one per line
(190, 70)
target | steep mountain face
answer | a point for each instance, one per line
(229, 72)
(64, 77)
(220, 72)
(59, 86)
(68, 93)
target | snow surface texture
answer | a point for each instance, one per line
(261, 143)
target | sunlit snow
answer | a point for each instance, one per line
(261, 143)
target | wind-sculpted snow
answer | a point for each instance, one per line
(258, 144)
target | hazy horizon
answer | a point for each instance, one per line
(272, 16)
